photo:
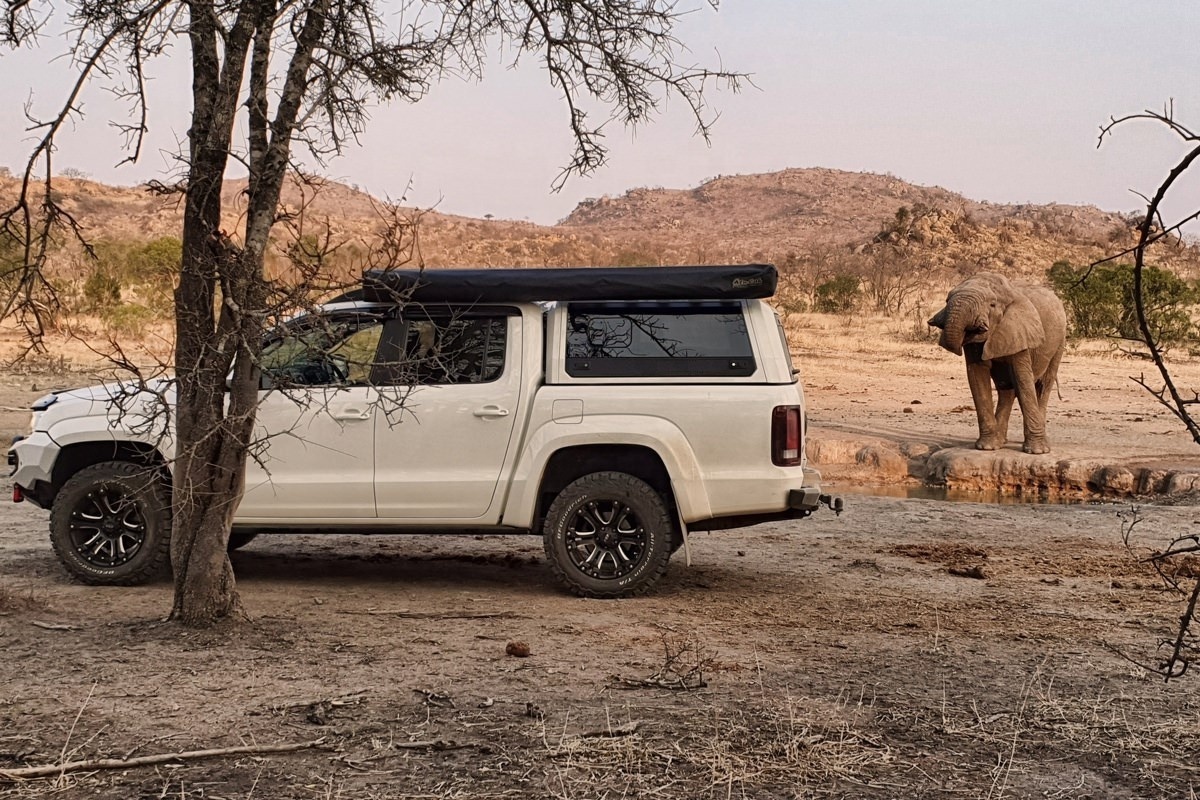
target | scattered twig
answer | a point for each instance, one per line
(676, 684)
(87, 765)
(684, 664)
(406, 614)
(436, 745)
(62, 756)
(436, 698)
(348, 699)
(628, 729)
(129, 753)
(53, 626)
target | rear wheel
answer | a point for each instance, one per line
(111, 524)
(608, 534)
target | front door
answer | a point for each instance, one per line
(446, 419)
(316, 421)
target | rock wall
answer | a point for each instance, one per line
(1008, 471)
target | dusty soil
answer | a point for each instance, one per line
(850, 656)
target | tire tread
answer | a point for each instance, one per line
(140, 479)
(603, 484)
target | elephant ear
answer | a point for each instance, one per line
(1019, 328)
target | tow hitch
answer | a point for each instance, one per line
(835, 504)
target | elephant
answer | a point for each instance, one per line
(1012, 334)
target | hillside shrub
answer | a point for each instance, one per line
(101, 290)
(128, 319)
(147, 270)
(1101, 304)
(837, 295)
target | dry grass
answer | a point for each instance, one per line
(15, 599)
(717, 751)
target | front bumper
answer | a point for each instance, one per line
(32, 459)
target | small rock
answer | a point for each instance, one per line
(741, 553)
(517, 649)
(975, 572)
(1118, 585)
(908, 410)
(914, 402)
(319, 712)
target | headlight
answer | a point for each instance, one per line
(44, 402)
(40, 405)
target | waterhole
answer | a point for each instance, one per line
(964, 496)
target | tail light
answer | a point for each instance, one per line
(787, 436)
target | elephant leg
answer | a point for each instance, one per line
(980, 380)
(1004, 407)
(1032, 410)
(1048, 382)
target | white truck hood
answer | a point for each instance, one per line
(123, 404)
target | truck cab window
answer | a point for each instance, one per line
(334, 352)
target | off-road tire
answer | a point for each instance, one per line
(580, 544)
(134, 502)
(239, 540)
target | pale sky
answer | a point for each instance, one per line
(999, 101)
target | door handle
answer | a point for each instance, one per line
(351, 414)
(491, 411)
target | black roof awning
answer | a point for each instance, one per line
(516, 285)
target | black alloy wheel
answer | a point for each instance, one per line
(606, 539)
(107, 527)
(111, 523)
(608, 534)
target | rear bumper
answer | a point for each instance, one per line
(800, 503)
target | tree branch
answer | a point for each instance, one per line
(88, 765)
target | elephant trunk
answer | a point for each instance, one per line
(953, 331)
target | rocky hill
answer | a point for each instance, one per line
(784, 217)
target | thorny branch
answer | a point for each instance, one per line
(1177, 561)
(1175, 564)
(1152, 230)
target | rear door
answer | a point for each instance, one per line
(447, 413)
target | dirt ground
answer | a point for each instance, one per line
(850, 656)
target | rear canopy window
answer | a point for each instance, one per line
(629, 340)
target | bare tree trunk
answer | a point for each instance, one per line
(217, 360)
(211, 441)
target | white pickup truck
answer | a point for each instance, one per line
(610, 410)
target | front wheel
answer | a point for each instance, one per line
(608, 534)
(111, 524)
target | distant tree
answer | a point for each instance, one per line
(305, 73)
(1102, 302)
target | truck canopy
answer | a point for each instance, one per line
(517, 285)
